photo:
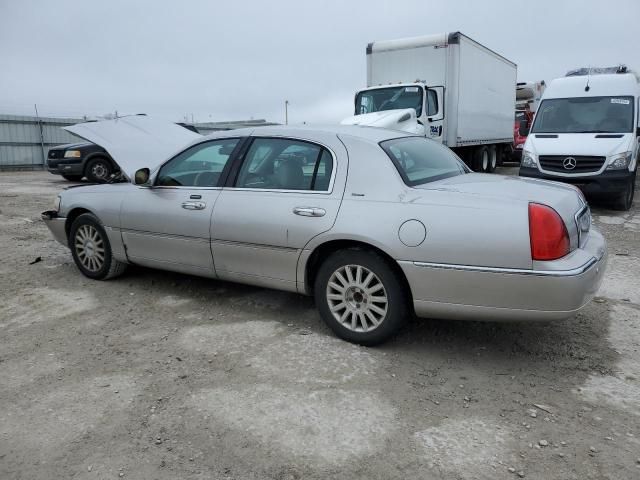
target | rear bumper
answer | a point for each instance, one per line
(607, 183)
(484, 293)
(56, 225)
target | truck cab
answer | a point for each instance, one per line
(586, 132)
(385, 101)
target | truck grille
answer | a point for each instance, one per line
(559, 163)
(55, 154)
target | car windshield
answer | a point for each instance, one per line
(420, 160)
(391, 98)
(585, 115)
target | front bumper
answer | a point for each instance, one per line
(483, 293)
(65, 168)
(609, 182)
(56, 225)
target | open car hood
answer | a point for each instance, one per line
(136, 142)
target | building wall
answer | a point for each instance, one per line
(21, 143)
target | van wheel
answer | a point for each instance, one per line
(481, 159)
(625, 200)
(361, 297)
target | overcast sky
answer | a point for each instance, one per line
(232, 60)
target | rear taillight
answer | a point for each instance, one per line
(547, 233)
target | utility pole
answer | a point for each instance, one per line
(44, 156)
(286, 112)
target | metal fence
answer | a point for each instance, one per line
(25, 141)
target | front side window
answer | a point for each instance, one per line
(585, 115)
(199, 166)
(285, 164)
(391, 98)
(432, 102)
(420, 160)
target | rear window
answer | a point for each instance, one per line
(420, 160)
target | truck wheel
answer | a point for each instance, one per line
(481, 159)
(625, 200)
(360, 296)
(98, 170)
(72, 178)
(91, 249)
(493, 158)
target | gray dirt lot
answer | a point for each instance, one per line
(161, 375)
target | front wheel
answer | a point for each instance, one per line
(98, 170)
(625, 200)
(91, 249)
(361, 296)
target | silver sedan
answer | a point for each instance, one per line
(377, 225)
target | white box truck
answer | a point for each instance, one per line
(587, 132)
(447, 87)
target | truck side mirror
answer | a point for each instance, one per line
(142, 176)
(523, 131)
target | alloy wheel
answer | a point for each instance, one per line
(90, 248)
(357, 298)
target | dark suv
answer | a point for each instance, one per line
(76, 160)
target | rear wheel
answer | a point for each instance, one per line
(91, 250)
(361, 297)
(481, 159)
(625, 200)
(98, 170)
(493, 158)
(72, 178)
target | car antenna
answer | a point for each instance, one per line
(587, 87)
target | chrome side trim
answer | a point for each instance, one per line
(512, 271)
(235, 243)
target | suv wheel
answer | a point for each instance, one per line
(98, 170)
(91, 250)
(360, 296)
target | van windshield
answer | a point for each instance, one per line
(392, 98)
(585, 115)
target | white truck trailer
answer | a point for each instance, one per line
(447, 87)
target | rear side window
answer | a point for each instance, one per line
(420, 160)
(285, 164)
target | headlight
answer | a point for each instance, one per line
(72, 154)
(620, 161)
(528, 160)
(56, 204)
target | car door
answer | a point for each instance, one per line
(281, 193)
(167, 224)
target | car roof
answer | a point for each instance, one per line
(370, 134)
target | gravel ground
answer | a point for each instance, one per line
(161, 375)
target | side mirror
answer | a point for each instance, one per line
(523, 131)
(142, 176)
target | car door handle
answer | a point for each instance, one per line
(194, 205)
(309, 211)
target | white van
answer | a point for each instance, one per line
(586, 132)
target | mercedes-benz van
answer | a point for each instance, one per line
(586, 132)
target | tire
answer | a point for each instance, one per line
(98, 170)
(493, 158)
(87, 240)
(72, 178)
(481, 159)
(349, 310)
(625, 199)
